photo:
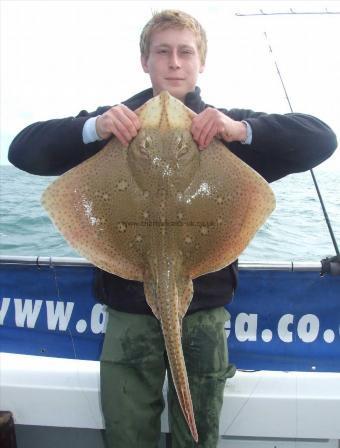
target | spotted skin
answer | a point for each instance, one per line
(161, 212)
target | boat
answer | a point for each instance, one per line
(283, 336)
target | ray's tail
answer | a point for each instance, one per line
(172, 329)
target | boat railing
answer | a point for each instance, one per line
(292, 266)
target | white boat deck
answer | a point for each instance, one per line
(266, 404)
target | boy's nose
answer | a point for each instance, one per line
(174, 61)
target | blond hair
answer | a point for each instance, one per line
(172, 18)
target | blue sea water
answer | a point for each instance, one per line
(296, 231)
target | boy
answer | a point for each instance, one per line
(133, 362)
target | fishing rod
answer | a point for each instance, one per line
(329, 265)
(291, 11)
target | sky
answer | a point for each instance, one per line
(60, 57)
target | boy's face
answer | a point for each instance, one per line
(173, 62)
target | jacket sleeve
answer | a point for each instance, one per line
(283, 144)
(50, 148)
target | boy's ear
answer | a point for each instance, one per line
(201, 70)
(144, 62)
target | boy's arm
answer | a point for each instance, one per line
(52, 147)
(283, 144)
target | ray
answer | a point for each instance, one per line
(141, 213)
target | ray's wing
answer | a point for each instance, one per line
(222, 210)
(94, 206)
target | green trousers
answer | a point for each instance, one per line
(133, 366)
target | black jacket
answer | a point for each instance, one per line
(281, 145)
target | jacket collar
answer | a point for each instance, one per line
(192, 100)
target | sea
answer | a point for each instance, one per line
(296, 230)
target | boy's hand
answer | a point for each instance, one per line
(212, 123)
(119, 121)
